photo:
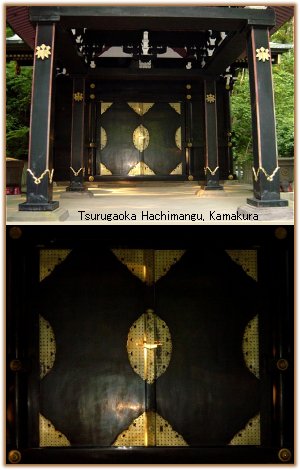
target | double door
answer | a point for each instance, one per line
(137, 349)
(140, 139)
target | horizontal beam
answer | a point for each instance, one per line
(146, 74)
(166, 18)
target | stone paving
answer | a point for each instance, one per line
(159, 203)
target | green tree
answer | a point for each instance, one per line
(18, 95)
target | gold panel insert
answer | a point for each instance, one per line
(147, 430)
(49, 436)
(47, 347)
(148, 265)
(140, 169)
(141, 138)
(251, 346)
(178, 138)
(247, 259)
(104, 171)
(141, 108)
(103, 138)
(177, 170)
(249, 435)
(149, 346)
(176, 107)
(105, 106)
(49, 259)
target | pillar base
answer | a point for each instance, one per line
(267, 203)
(217, 187)
(211, 194)
(39, 207)
(76, 188)
(72, 194)
(278, 214)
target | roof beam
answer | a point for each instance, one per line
(227, 53)
(166, 18)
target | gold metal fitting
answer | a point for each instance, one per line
(230, 177)
(15, 233)
(227, 87)
(282, 364)
(189, 144)
(92, 97)
(284, 455)
(14, 456)
(188, 97)
(280, 233)
(189, 86)
(91, 178)
(229, 134)
(15, 365)
(190, 178)
(229, 144)
(92, 85)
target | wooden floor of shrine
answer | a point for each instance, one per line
(138, 198)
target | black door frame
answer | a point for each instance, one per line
(275, 280)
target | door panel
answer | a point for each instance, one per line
(118, 153)
(209, 393)
(140, 139)
(149, 350)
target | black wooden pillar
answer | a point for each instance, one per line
(40, 171)
(228, 131)
(92, 136)
(265, 162)
(211, 137)
(77, 136)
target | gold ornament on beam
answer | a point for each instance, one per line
(212, 172)
(78, 96)
(263, 54)
(43, 52)
(269, 177)
(38, 179)
(210, 98)
(75, 173)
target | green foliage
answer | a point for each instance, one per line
(283, 82)
(284, 104)
(18, 94)
(9, 32)
(241, 118)
(285, 34)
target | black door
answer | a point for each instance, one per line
(140, 139)
(141, 352)
(135, 346)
